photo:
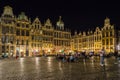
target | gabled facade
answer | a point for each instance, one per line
(36, 37)
(109, 36)
(7, 32)
(20, 36)
(62, 37)
(96, 40)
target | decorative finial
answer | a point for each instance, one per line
(60, 18)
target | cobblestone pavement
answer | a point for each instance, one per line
(41, 68)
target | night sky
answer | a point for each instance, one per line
(77, 15)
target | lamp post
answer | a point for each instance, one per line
(41, 49)
(4, 43)
(4, 34)
(118, 48)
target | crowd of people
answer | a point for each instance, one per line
(82, 55)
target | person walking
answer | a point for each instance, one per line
(116, 57)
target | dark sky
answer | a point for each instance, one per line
(77, 15)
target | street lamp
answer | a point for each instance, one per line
(41, 48)
(4, 42)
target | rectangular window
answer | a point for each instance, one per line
(111, 41)
(18, 32)
(18, 25)
(107, 34)
(103, 42)
(107, 42)
(23, 33)
(27, 33)
(22, 42)
(27, 42)
(111, 33)
(103, 35)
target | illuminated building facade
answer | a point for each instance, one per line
(19, 35)
(7, 31)
(61, 38)
(96, 40)
(22, 26)
(109, 38)
(49, 39)
(36, 37)
(118, 41)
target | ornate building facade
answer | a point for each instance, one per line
(96, 40)
(22, 26)
(7, 31)
(19, 35)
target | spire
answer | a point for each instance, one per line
(75, 32)
(84, 33)
(91, 32)
(88, 32)
(60, 18)
(60, 23)
(80, 33)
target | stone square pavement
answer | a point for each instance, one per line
(48, 68)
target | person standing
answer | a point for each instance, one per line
(119, 57)
(17, 54)
(102, 54)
